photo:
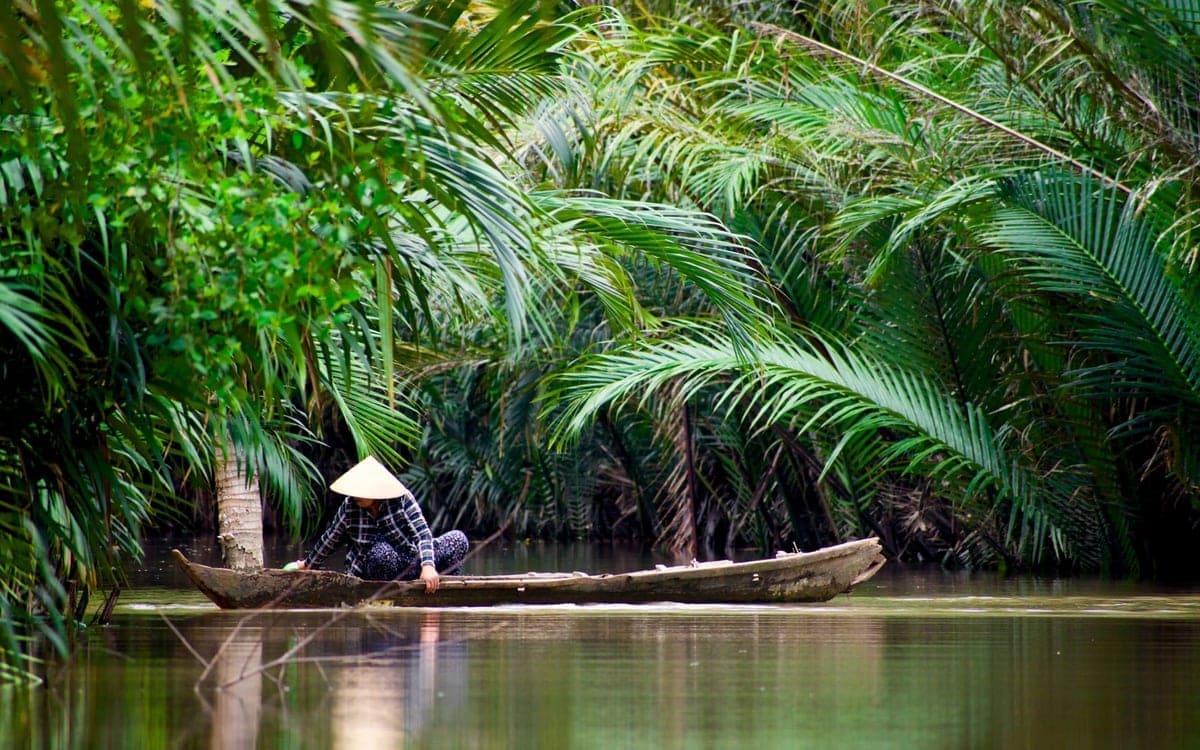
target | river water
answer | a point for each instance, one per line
(911, 659)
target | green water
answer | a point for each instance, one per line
(912, 659)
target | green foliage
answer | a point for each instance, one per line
(195, 269)
(255, 226)
(985, 343)
(922, 270)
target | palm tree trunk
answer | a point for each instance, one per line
(681, 489)
(239, 513)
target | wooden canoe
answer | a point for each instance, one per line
(788, 577)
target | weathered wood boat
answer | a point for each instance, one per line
(788, 577)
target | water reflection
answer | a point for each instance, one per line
(383, 696)
(335, 679)
(910, 660)
(675, 678)
(238, 701)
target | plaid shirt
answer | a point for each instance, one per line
(399, 523)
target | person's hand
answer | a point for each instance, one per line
(429, 575)
(297, 565)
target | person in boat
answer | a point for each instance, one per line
(386, 532)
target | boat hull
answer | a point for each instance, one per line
(792, 577)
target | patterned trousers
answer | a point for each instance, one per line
(385, 563)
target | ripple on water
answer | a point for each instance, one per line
(170, 607)
(1174, 607)
(1164, 607)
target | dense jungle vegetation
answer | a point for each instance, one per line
(708, 275)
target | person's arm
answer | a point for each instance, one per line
(329, 540)
(412, 516)
(416, 520)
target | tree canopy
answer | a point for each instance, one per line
(712, 276)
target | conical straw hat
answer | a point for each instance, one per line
(369, 480)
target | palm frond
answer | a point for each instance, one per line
(1070, 236)
(27, 322)
(699, 248)
(843, 392)
(271, 455)
(377, 426)
(819, 47)
(907, 216)
(499, 64)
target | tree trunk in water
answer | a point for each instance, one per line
(239, 514)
